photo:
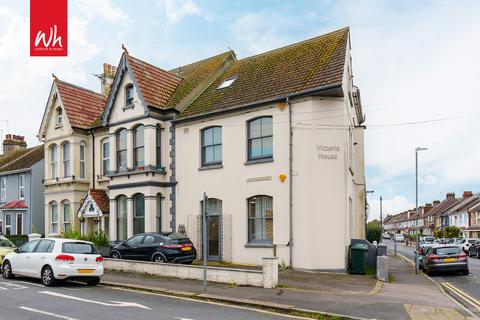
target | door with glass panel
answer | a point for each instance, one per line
(214, 222)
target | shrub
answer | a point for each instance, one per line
(451, 232)
(98, 238)
(73, 234)
(438, 233)
(374, 231)
(19, 240)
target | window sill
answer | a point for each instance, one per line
(128, 106)
(258, 245)
(146, 169)
(211, 167)
(58, 126)
(261, 160)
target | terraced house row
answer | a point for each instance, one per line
(274, 140)
(461, 212)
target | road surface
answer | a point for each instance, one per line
(23, 299)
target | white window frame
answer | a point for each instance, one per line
(82, 160)
(53, 224)
(21, 187)
(53, 161)
(66, 159)
(66, 217)
(3, 189)
(105, 159)
(59, 116)
(16, 227)
(8, 226)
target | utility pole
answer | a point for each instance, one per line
(381, 219)
(418, 149)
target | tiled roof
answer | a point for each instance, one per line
(157, 85)
(464, 204)
(444, 206)
(16, 204)
(193, 74)
(310, 64)
(83, 106)
(21, 159)
(101, 199)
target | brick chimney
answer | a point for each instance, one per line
(106, 78)
(13, 142)
(450, 195)
(467, 194)
(428, 207)
(436, 203)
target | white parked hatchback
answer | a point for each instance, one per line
(53, 259)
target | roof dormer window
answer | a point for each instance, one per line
(59, 116)
(129, 95)
(227, 83)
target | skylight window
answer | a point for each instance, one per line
(227, 83)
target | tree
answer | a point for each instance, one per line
(452, 232)
(374, 231)
(438, 233)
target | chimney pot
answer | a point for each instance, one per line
(450, 195)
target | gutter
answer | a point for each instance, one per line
(322, 89)
(93, 159)
(6, 173)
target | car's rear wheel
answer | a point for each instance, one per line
(158, 258)
(48, 279)
(7, 270)
(465, 272)
(478, 255)
(93, 282)
(115, 255)
(429, 272)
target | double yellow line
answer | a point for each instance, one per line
(471, 300)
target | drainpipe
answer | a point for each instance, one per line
(93, 159)
(290, 180)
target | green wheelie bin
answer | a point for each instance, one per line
(358, 258)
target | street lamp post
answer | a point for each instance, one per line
(416, 206)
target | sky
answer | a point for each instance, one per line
(416, 63)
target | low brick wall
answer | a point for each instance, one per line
(267, 278)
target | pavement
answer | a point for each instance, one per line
(465, 289)
(407, 296)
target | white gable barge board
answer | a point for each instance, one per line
(267, 278)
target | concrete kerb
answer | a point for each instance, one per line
(412, 264)
(262, 305)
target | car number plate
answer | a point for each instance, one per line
(85, 270)
(186, 248)
(449, 259)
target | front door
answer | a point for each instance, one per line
(213, 225)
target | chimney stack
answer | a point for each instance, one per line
(467, 194)
(436, 203)
(451, 195)
(106, 78)
(13, 142)
(428, 207)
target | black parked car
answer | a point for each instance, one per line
(156, 247)
(474, 250)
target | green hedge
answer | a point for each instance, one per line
(18, 240)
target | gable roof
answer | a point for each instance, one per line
(21, 159)
(464, 204)
(82, 106)
(156, 85)
(311, 64)
(101, 199)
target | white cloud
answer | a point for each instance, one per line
(175, 10)
(259, 32)
(104, 9)
(394, 205)
(26, 80)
